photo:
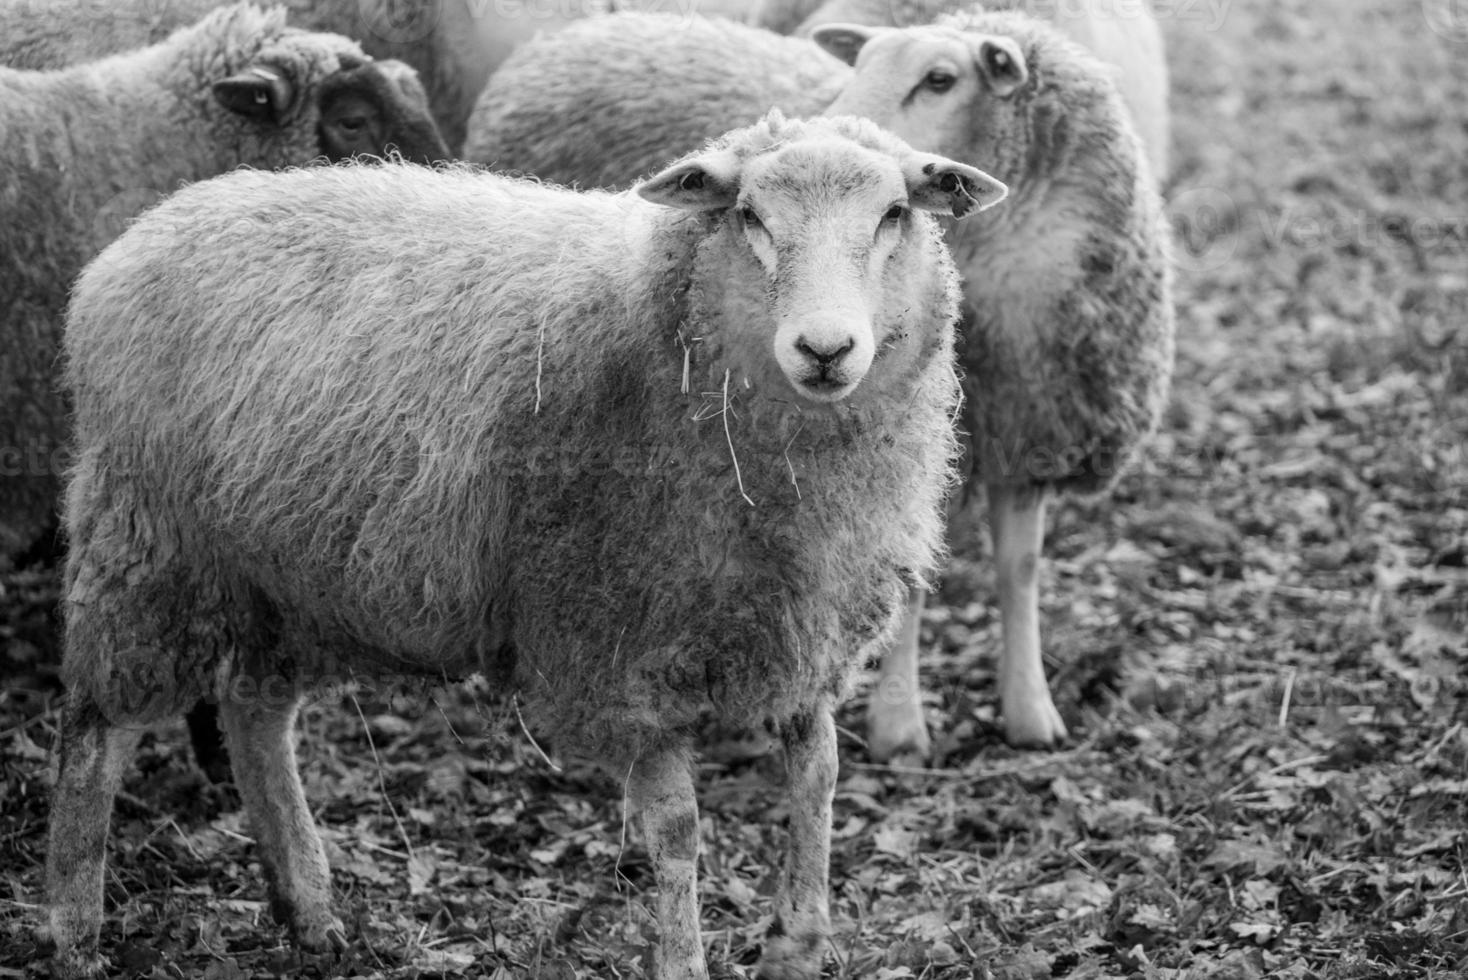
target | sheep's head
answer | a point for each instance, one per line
(359, 107)
(941, 88)
(826, 217)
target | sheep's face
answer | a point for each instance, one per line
(828, 222)
(362, 108)
(944, 90)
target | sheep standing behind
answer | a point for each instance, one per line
(1068, 291)
(1122, 33)
(87, 148)
(344, 420)
(1069, 346)
(454, 45)
(586, 105)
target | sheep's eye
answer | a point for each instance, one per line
(352, 124)
(894, 214)
(939, 80)
(750, 219)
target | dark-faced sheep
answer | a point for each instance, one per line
(1069, 343)
(338, 419)
(87, 148)
(454, 45)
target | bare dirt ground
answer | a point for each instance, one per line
(1258, 642)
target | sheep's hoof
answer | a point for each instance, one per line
(75, 965)
(321, 934)
(897, 731)
(1033, 723)
(792, 957)
(687, 966)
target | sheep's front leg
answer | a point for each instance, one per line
(260, 735)
(660, 791)
(895, 724)
(796, 942)
(1017, 522)
(94, 756)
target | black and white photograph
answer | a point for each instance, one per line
(718, 489)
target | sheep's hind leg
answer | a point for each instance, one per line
(259, 733)
(796, 942)
(94, 755)
(1017, 522)
(895, 723)
(660, 791)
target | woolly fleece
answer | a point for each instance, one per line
(630, 91)
(85, 150)
(461, 444)
(1124, 36)
(1068, 358)
(1068, 339)
(453, 44)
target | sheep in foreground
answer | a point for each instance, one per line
(89, 147)
(342, 419)
(1069, 342)
(1122, 33)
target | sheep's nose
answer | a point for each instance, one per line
(826, 355)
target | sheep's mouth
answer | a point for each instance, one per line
(821, 387)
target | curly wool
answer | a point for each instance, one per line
(1126, 38)
(471, 450)
(1069, 353)
(88, 148)
(454, 46)
(630, 91)
(1068, 360)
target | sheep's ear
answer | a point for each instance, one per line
(844, 41)
(1002, 63)
(706, 182)
(259, 92)
(939, 184)
(405, 77)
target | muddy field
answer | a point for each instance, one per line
(1258, 643)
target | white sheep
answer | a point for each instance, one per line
(763, 72)
(588, 76)
(1067, 293)
(87, 148)
(342, 420)
(1122, 33)
(1069, 347)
